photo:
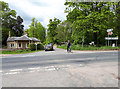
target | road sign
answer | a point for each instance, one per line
(109, 30)
(111, 38)
(110, 33)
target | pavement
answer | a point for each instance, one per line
(61, 69)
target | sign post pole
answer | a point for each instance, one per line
(108, 39)
(109, 33)
(36, 46)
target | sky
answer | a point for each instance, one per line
(42, 10)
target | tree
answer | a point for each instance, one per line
(40, 32)
(63, 31)
(18, 28)
(10, 22)
(91, 20)
(52, 29)
(37, 30)
(117, 20)
(8, 15)
(31, 30)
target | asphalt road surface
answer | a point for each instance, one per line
(61, 69)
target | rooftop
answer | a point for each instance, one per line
(22, 38)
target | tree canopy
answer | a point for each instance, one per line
(92, 19)
(53, 23)
(37, 30)
(10, 22)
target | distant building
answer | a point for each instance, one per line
(21, 42)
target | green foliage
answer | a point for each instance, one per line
(8, 15)
(18, 51)
(37, 30)
(63, 31)
(40, 47)
(5, 33)
(79, 47)
(32, 47)
(52, 29)
(92, 19)
(18, 27)
(9, 22)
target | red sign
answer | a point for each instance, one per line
(110, 33)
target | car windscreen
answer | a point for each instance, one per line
(49, 45)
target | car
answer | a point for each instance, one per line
(49, 47)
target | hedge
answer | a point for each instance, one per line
(40, 47)
(33, 47)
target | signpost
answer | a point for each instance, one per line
(109, 30)
(36, 46)
(109, 33)
(111, 38)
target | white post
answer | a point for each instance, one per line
(36, 46)
(82, 41)
(108, 39)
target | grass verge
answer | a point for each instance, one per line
(79, 47)
(18, 52)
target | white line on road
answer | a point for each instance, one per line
(17, 70)
(35, 68)
(51, 69)
(11, 73)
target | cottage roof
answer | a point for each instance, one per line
(22, 38)
(34, 39)
(10, 39)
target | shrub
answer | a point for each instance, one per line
(19, 51)
(40, 47)
(32, 47)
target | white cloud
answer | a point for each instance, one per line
(42, 10)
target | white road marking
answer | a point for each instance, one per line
(1, 71)
(34, 68)
(17, 70)
(50, 69)
(11, 73)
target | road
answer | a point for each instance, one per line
(61, 69)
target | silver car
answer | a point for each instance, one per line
(49, 47)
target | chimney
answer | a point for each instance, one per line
(9, 34)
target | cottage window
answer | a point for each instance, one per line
(19, 45)
(12, 45)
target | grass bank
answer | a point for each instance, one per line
(79, 47)
(18, 51)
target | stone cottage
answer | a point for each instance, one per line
(20, 42)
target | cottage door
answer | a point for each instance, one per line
(24, 45)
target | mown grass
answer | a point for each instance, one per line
(18, 51)
(79, 47)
